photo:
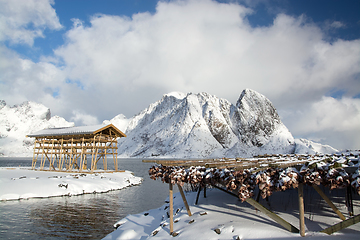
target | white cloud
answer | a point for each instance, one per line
(23, 20)
(120, 64)
(22, 80)
(82, 118)
(332, 121)
(337, 24)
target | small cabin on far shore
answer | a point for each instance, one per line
(76, 148)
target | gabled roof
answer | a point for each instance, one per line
(82, 130)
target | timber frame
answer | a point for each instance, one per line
(230, 176)
(76, 148)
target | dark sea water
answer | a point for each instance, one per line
(89, 216)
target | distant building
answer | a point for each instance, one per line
(76, 148)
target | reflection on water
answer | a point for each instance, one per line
(88, 216)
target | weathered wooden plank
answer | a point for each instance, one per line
(184, 200)
(349, 200)
(33, 163)
(341, 225)
(171, 210)
(328, 201)
(198, 195)
(266, 211)
(301, 209)
(272, 215)
(81, 155)
(228, 163)
(73, 147)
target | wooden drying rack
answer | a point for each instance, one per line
(261, 163)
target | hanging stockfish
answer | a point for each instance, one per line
(270, 180)
(246, 182)
(288, 178)
(356, 181)
(337, 178)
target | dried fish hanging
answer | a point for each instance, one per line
(270, 180)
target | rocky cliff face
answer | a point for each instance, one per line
(202, 125)
(18, 121)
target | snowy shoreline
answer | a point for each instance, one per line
(23, 183)
(218, 216)
(221, 216)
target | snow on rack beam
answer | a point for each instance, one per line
(270, 176)
(349, 162)
(238, 164)
(80, 130)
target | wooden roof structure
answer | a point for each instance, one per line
(71, 148)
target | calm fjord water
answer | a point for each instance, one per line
(89, 216)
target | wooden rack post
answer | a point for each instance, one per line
(81, 155)
(42, 155)
(52, 155)
(33, 163)
(184, 200)
(62, 155)
(171, 210)
(301, 209)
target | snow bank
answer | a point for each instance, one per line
(24, 183)
(221, 216)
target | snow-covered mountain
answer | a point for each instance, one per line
(177, 126)
(304, 146)
(201, 125)
(20, 120)
(120, 121)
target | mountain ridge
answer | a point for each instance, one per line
(18, 121)
(178, 125)
(202, 125)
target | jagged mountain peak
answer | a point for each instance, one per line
(203, 125)
(257, 103)
(178, 95)
(33, 109)
(19, 120)
(256, 120)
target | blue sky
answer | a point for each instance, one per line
(91, 60)
(320, 12)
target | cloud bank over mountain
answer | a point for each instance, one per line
(116, 63)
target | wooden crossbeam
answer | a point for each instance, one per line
(272, 215)
(266, 211)
(341, 225)
(184, 200)
(328, 201)
(237, 164)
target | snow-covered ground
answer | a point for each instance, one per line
(222, 216)
(218, 216)
(23, 183)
